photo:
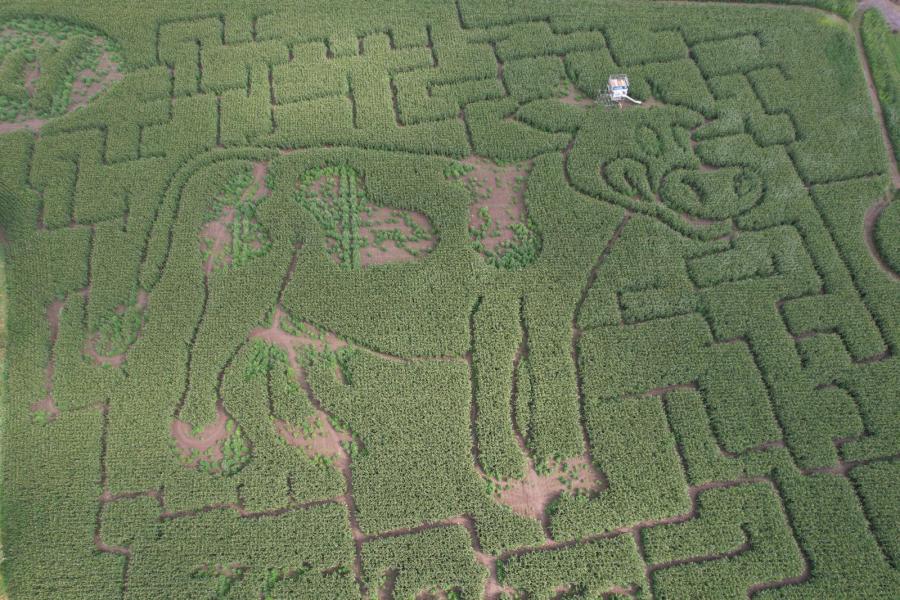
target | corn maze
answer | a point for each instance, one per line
(374, 300)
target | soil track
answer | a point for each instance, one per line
(46, 404)
(308, 335)
(260, 171)
(876, 105)
(869, 224)
(888, 8)
(325, 439)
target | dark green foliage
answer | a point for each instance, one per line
(435, 560)
(739, 537)
(496, 337)
(639, 457)
(689, 310)
(534, 78)
(119, 331)
(877, 485)
(587, 569)
(500, 139)
(844, 556)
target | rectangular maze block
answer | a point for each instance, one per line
(730, 55)
(229, 67)
(179, 46)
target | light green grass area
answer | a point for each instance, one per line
(270, 337)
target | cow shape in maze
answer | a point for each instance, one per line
(686, 246)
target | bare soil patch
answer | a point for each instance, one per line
(32, 124)
(301, 334)
(89, 83)
(432, 595)
(215, 241)
(384, 219)
(500, 199)
(32, 74)
(531, 495)
(53, 314)
(324, 440)
(260, 171)
(90, 349)
(143, 299)
(574, 97)
(46, 406)
(207, 444)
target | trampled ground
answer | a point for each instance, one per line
(375, 300)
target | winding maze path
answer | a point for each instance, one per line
(618, 380)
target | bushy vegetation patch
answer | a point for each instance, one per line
(48, 67)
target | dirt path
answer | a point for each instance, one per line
(324, 441)
(215, 241)
(260, 172)
(890, 9)
(46, 404)
(869, 224)
(876, 104)
(32, 124)
(574, 97)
